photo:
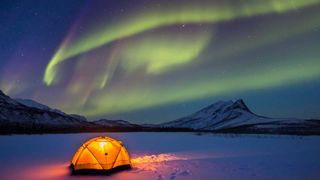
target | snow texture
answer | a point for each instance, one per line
(168, 156)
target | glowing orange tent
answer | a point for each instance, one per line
(100, 153)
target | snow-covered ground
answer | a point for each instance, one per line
(168, 156)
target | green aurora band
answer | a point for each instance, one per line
(207, 12)
(139, 98)
(159, 53)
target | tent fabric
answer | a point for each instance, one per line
(100, 153)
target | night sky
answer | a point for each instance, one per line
(151, 61)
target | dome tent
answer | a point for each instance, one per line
(100, 154)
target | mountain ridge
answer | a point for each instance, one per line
(29, 116)
(235, 116)
(24, 116)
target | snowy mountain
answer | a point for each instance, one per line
(28, 116)
(15, 116)
(229, 116)
(35, 104)
(101, 122)
(32, 103)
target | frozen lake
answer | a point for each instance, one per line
(168, 156)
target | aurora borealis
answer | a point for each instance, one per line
(151, 61)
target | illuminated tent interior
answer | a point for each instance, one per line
(100, 154)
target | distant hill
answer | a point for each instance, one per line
(229, 116)
(29, 116)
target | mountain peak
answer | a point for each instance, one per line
(226, 106)
(218, 115)
(3, 95)
(240, 104)
(5, 100)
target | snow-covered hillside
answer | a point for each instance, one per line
(218, 115)
(236, 117)
(28, 116)
(35, 104)
(15, 116)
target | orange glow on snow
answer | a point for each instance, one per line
(156, 158)
(50, 171)
(153, 162)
